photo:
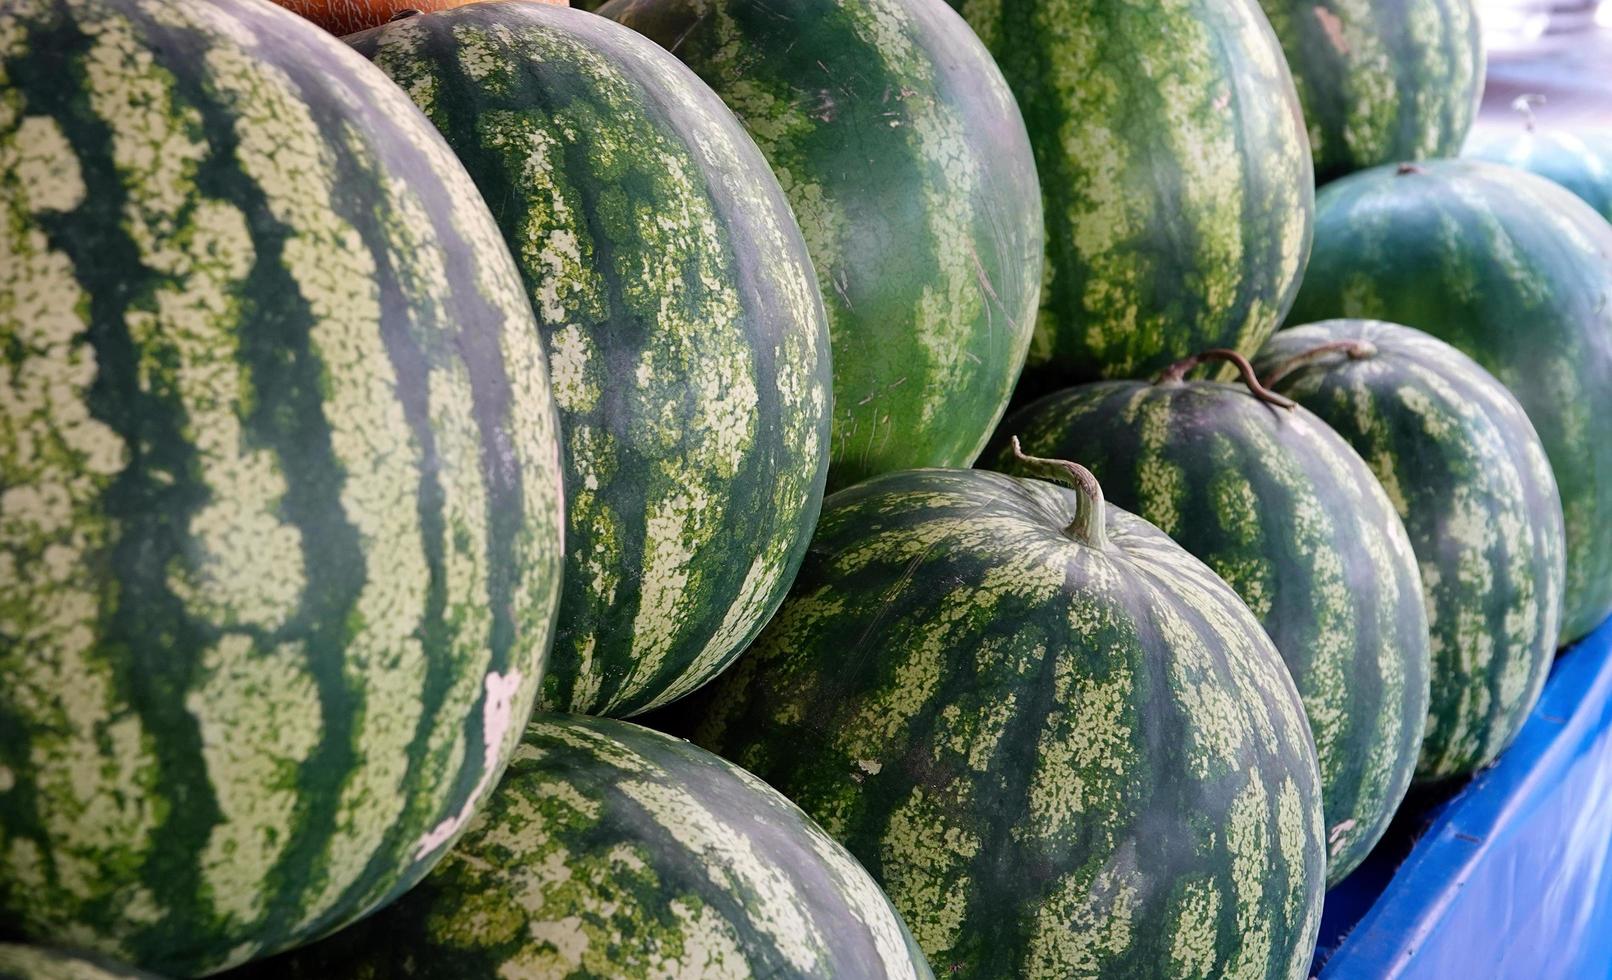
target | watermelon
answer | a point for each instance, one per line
(1579, 160)
(612, 850)
(38, 963)
(1061, 744)
(1175, 171)
(1517, 273)
(1382, 81)
(682, 318)
(346, 16)
(906, 161)
(1470, 479)
(282, 518)
(1283, 510)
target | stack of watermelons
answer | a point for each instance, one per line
(361, 399)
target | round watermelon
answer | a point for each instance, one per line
(1175, 171)
(682, 319)
(282, 522)
(1283, 510)
(1580, 160)
(1470, 479)
(1061, 744)
(1517, 273)
(906, 161)
(1382, 81)
(39, 963)
(611, 850)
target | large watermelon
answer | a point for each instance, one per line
(907, 163)
(1176, 174)
(1580, 160)
(1294, 521)
(38, 963)
(1517, 273)
(1062, 745)
(614, 851)
(1470, 479)
(1382, 81)
(690, 352)
(281, 532)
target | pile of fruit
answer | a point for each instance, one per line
(385, 418)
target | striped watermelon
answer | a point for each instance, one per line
(280, 550)
(1470, 479)
(674, 292)
(1382, 81)
(1177, 179)
(1063, 746)
(1580, 160)
(1517, 273)
(907, 164)
(614, 851)
(1289, 515)
(38, 963)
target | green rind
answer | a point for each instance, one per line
(282, 499)
(615, 851)
(38, 963)
(1515, 272)
(1468, 476)
(1176, 175)
(1291, 518)
(1059, 762)
(1580, 160)
(683, 322)
(906, 161)
(1382, 81)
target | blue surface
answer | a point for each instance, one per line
(1511, 876)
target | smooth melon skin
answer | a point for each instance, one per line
(282, 519)
(906, 161)
(39, 963)
(1176, 177)
(1292, 519)
(1060, 759)
(1515, 272)
(611, 850)
(1580, 160)
(1469, 477)
(1382, 81)
(682, 319)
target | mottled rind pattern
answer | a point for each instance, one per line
(1468, 476)
(1291, 518)
(1058, 761)
(38, 963)
(906, 161)
(688, 341)
(1516, 273)
(280, 525)
(1175, 171)
(1382, 81)
(1579, 159)
(612, 850)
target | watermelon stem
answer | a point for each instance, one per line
(1358, 350)
(1177, 372)
(1088, 527)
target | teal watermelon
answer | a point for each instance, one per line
(906, 161)
(1515, 272)
(614, 851)
(1283, 510)
(1063, 746)
(1580, 159)
(38, 963)
(1382, 81)
(280, 552)
(682, 319)
(1470, 479)
(1176, 177)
